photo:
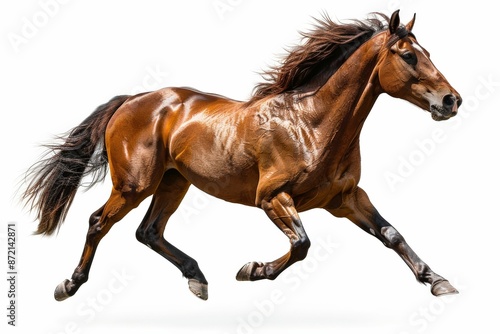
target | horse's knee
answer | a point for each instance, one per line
(146, 236)
(391, 237)
(300, 248)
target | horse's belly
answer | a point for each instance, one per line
(318, 197)
(220, 168)
(236, 189)
(237, 186)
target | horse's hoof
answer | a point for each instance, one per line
(199, 289)
(60, 293)
(245, 273)
(443, 287)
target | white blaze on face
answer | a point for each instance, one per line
(417, 47)
(433, 74)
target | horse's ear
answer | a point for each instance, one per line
(394, 22)
(409, 25)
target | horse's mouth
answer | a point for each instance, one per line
(438, 113)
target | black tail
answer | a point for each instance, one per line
(55, 179)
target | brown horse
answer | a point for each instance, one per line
(292, 147)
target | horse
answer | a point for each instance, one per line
(292, 146)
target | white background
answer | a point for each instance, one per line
(445, 203)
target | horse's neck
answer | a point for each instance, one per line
(344, 102)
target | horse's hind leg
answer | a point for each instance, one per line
(165, 201)
(282, 212)
(100, 222)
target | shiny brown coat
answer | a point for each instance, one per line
(293, 147)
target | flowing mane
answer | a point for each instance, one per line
(308, 66)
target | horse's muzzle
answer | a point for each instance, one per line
(447, 109)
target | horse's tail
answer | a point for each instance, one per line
(54, 180)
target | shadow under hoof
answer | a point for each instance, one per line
(199, 289)
(61, 293)
(442, 288)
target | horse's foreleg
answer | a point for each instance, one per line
(358, 208)
(282, 212)
(165, 201)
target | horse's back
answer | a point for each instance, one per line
(160, 113)
(203, 136)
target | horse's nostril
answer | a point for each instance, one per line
(449, 100)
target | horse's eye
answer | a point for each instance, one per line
(410, 58)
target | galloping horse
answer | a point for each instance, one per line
(292, 147)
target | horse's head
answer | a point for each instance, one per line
(406, 72)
